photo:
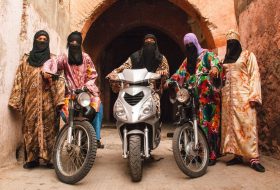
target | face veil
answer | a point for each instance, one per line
(148, 57)
(192, 51)
(75, 56)
(40, 52)
(233, 52)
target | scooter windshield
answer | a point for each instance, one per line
(135, 76)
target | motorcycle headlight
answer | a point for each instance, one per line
(146, 109)
(120, 111)
(183, 95)
(83, 99)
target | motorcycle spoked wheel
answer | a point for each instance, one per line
(192, 162)
(73, 162)
(135, 160)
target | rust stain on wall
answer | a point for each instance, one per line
(24, 21)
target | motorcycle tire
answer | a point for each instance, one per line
(178, 153)
(134, 158)
(88, 160)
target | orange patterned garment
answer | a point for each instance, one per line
(36, 100)
(239, 124)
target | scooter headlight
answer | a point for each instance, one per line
(146, 109)
(120, 111)
(83, 99)
(183, 95)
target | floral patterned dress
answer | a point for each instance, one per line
(207, 95)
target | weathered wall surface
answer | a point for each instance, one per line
(259, 26)
(10, 131)
(19, 21)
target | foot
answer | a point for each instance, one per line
(49, 165)
(100, 145)
(258, 167)
(212, 162)
(235, 160)
(170, 135)
(30, 165)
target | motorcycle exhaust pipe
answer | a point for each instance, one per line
(125, 143)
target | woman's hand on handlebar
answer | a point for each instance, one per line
(162, 72)
(214, 72)
(112, 76)
(50, 76)
(47, 76)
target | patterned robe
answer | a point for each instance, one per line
(207, 95)
(128, 65)
(36, 100)
(77, 77)
(242, 85)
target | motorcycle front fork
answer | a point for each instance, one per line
(70, 128)
(146, 143)
(195, 127)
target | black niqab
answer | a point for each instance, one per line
(192, 55)
(148, 57)
(75, 56)
(234, 50)
(40, 52)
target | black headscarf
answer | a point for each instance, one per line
(234, 50)
(192, 55)
(40, 52)
(148, 57)
(75, 56)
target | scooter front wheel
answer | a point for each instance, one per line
(134, 158)
(73, 161)
(191, 160)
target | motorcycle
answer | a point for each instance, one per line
(75, 148)
(189, 144)
(137, 119)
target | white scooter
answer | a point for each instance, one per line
(137, 119)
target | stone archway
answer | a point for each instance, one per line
(214, 20)
(110, 20)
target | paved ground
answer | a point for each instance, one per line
(110, 172)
